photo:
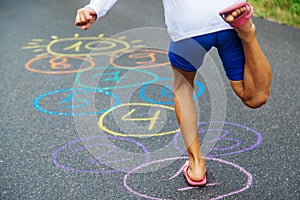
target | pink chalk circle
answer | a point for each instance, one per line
(184, 188)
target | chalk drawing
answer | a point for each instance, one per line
(75, 157)
(110, 78)
(128, 60)
(82, 46)
(174, 179)
(58, 64)
(133, 126)
(165, 95)
(229, 138)
(141, 58)
(67, 100)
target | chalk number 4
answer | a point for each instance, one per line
(152, 120)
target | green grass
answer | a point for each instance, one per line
(282, 11)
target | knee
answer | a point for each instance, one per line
(257, 101)
(183, 88)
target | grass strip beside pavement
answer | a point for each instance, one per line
(281, 11)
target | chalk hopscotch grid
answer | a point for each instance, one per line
(94, 47)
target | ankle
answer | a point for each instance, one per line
(197, 162)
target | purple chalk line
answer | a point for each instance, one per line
(58, 164)
(238, 142)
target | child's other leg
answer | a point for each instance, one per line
(254, 89)
(183, 86)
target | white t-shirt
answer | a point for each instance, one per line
(183, 18)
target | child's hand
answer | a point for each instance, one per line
(85, 17)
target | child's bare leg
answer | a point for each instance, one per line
(254, 90)
(183, 85)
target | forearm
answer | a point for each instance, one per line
(101, 7)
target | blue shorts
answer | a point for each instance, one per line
(188, 54)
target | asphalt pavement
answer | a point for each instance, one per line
(89, 114)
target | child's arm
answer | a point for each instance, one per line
(94, 10)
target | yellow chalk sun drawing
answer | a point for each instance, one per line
(36, 46)
(82, 46)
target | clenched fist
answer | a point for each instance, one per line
(85, 17)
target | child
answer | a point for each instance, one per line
(233, 34)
